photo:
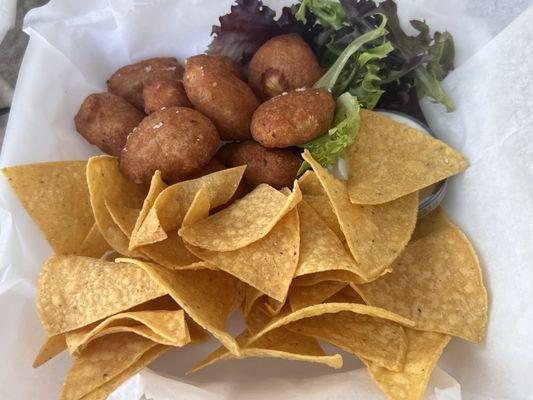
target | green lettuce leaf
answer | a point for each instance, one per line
(330, 78)
(328, 148)
(329, 13)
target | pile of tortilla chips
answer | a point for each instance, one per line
(141, 270)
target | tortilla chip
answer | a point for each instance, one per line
(124, 217)
(314, 195)
(75, 291)
(244, 222)
(389, 160)
(140, 235)
(172, 253)
(251, 295)
(94, 245)
(52, 346)
(267, 264)
(345, 295)
(273, 307)
(107, 183)
(320, 249)
(208, 297)
(56, 197)
(305, 296)
(286, 318)
(423, 352)
(199, 208)
(432, 222)
(280, 343)
(437, 283)
(172, 203)
(105, 358)
(367, 337)
(109, 387)
(375, 235)
(160, 326)
(333, 275)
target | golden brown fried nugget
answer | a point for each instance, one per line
(222, 97)
(216, 61)
(293, 118)
(283, 63)
(105, 119)
(164, 93)
(177, 141)
(276, 167)
(129, 80)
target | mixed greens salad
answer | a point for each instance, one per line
(370, 61)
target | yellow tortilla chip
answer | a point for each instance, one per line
(160, 326)
(199, 208)
(208, 297)
(51, 347)
(367, 337)
(330, 308)
(314, 195)
(267, 264)
(333, 275)
(107, 183)
(244, 222)
(320, 249)
(56, 197)
(105, 359)
(172, 203)
(437, 283)
(280, 343)
(389, 160)
(251, 295)
(94, 245)
(75, 291)
(423, 352)
(139, 235)
(345, 295)
(124, 217)
(305, 296)
(375, 235)
(109, 387)
(432, 222)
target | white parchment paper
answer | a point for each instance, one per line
(76, 44)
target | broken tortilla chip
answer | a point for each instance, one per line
(375, 235)
(389, 160)
(208, 297)
(244, 222)
(267, 264)
(56, 197)
(160, 326)
(423, 352)
(108, 184)
(437, 283)
(75, 291)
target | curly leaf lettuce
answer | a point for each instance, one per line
(329, 13)
(330, 78)
(328, 148)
